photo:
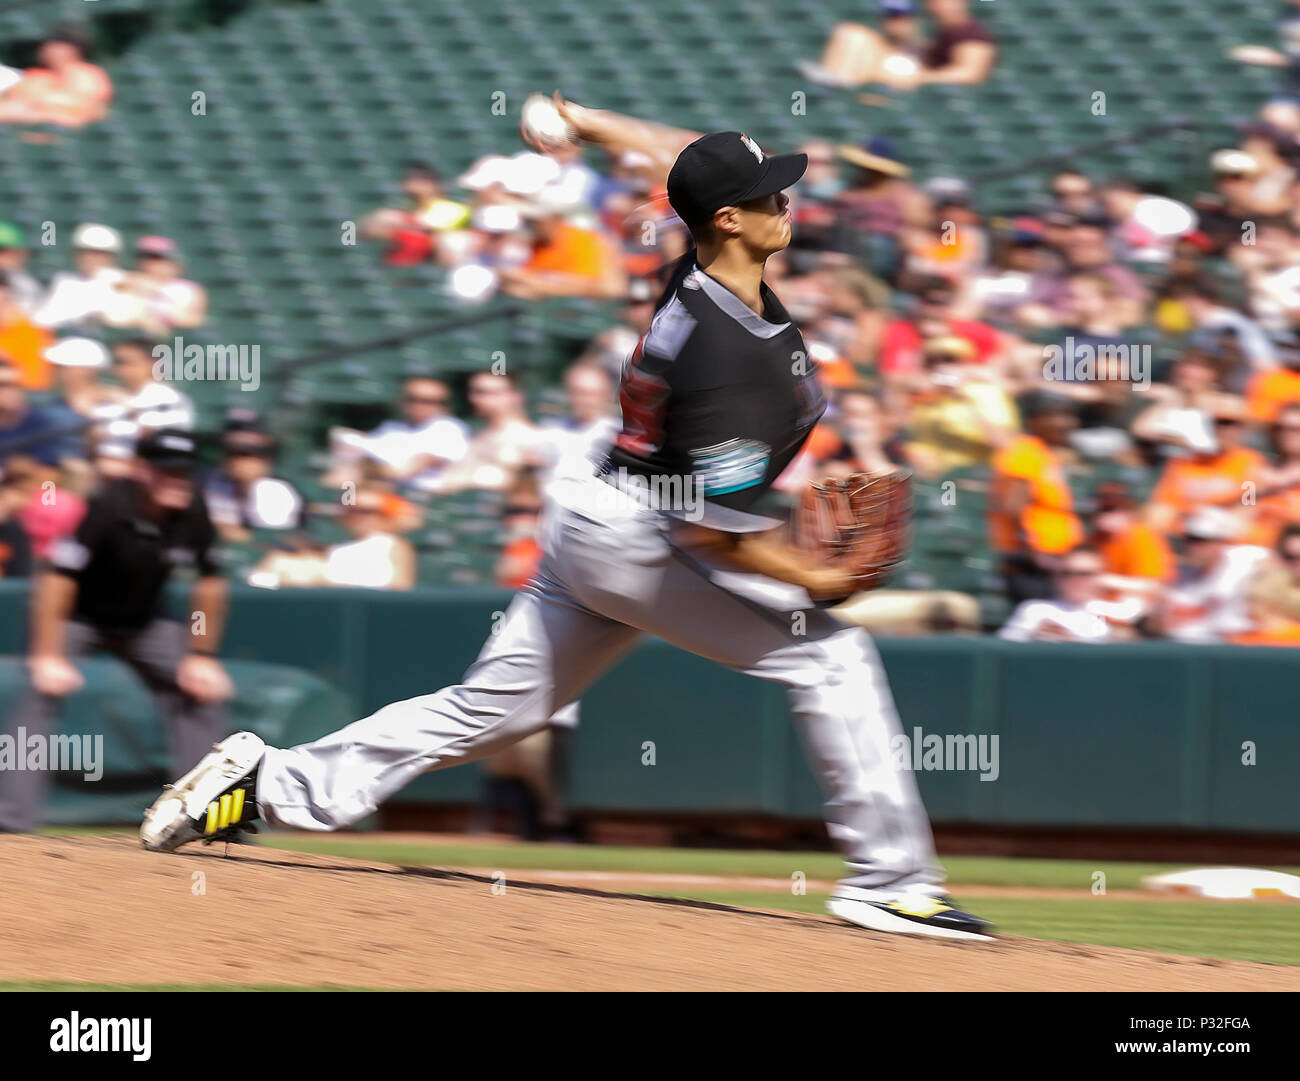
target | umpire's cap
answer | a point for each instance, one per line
(724, 169)
(168, 448)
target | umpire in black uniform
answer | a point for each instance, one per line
(102, 591)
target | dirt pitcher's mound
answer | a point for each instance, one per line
(102, 910)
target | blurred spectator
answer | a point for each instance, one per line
(1015, 274)
(406, 243)
(859, 421)
(27, 291)
(1277, 500)
(376, 557)
(610, 349)
(856, 55)
(64, 88)
(1186, 271)
(1271, 391)
(821, 181)
(505, 443)
(571, 445)
(49, 509)
(953, 244)
(855, 315)
(25, 431)
(413, 233)
(1287, 56)
(567, 260)
(163, 301)
(147, 403)
(576, 183)
(496, 179)
(962, 51)
(242, 495)
(496, 241)
(1146, 226)
(871, 218)
(1181, 410)
(1074, 192)
(79, 364)
(1136, 559)
(1216, 474)
(428, 205)
(1082, 243)
(521, 553)
(1271, 271)
(642, 222)
(89, 296)
(298, 562)
(957, 417)
(112, 459)
(1031, 511)
(902, 350)
(1210, 601)
(1226, 333)
(912, 612)
(1075, 611)
(1275, 176)
(1274, 594)
(1129, 548)
(1101, 387)
(1225, 213)
(411, 449)
(1089, 318)
(22, 342)
(15, 547)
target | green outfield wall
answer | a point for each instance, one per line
(1150, 735)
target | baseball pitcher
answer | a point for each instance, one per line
(667, 538)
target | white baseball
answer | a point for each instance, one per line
(541, 121)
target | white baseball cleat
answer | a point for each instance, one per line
(907, 913)
(215, 801)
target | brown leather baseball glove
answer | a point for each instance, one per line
(858, 523)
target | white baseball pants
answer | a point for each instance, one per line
(612, 572)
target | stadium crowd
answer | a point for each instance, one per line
(1113, 372)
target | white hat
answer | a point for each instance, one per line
(496, 218)
(1191, 428)
(92, 237)
(523, 174)
(1211, 523)
(77, 353)
(472, 282)
(1233, 161)
(115, 447)
(553, 201)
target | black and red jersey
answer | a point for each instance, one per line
(719, 395)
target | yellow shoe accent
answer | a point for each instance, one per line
(223, 814)
(237, 805)
(922, 908)
(211, 826)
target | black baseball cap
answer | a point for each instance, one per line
(726, 168)
(168, 448)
